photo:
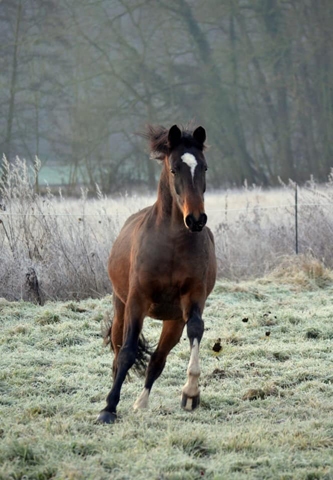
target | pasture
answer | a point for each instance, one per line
(266, 398)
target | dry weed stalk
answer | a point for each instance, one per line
(252, 241)
(67, 252)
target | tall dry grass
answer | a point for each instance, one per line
(57, 248)
(256, 229)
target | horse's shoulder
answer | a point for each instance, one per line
(136, 217)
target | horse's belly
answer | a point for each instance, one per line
(165, 311)
(165, 304)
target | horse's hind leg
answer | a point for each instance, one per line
(171, 333)
(117, 330)
(135, 311)
(195, 327)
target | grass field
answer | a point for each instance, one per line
(267, 400)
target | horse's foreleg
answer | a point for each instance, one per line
(171, 333)
(195, 327)
(134, 315)
(117, 330)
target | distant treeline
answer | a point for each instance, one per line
(79, 78)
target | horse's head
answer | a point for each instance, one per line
(187, 174)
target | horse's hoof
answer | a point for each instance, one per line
(106, 417)
(190, 403)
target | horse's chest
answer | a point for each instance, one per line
(168, 266)
(167, 270)
(166, 273)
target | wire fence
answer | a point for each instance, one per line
(210, 210)
(295, 206)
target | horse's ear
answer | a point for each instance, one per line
(199, 135)
(174, 136)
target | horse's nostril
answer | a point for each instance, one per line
(196, 225)
(203, 219)
(189, 220)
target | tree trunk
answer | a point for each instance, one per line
(232, 130)
(12, 92)
(273, 18)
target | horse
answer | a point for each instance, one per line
(163, 265)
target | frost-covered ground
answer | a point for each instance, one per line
(266, 410)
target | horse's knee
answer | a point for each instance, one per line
(157, 358)
(126, 358)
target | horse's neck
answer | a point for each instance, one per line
(167, 207)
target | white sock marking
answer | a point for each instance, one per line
(193, 368)
(191, 388)
(191, 161)
(142, 400)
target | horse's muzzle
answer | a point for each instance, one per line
(196, 225)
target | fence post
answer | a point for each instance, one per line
(296, 219)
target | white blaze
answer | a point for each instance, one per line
(191, 161)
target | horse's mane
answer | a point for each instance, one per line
(157, 135)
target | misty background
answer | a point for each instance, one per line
(78, 78)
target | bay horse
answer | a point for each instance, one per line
(163, 265)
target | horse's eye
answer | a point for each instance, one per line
(173, 171)
(206, 168)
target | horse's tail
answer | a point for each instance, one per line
(143, 353)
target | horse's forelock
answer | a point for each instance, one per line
(158, 140)
(157, 135)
